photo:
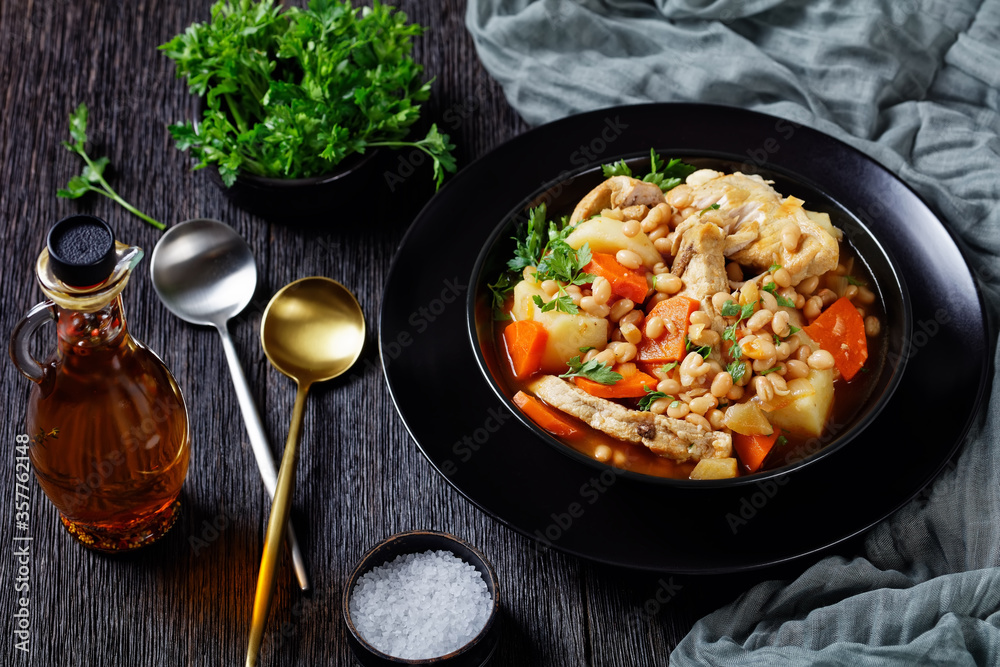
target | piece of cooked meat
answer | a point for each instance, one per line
(701, 265)
(617, 192)
(748, 201)
(672, 438)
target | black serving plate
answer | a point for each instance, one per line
(492, 458)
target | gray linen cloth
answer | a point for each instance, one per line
(914, 84)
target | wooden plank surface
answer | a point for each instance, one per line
(187, 600)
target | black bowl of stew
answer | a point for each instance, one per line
(856, 404)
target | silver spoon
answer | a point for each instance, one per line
(205, 274)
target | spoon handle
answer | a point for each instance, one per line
(259, 444)
(276, 528)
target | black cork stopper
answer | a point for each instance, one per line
(81, 250)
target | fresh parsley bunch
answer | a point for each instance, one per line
(290, 94)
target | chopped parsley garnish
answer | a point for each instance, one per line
(704, 350)
(854, 281)
(713, 207)
(781, 441)
(782, 301)
(617, 169)
(732, 309)
(562, 303)
(792, 329)
(675, 404)
(736, 370)
(770, 370)
(542, 244)
(774, 267)
(565, 264)
(530, 239)
(586, 349)
(667, 176)
(499, 289)
(592, 370)
(651, 396)
(666, 368)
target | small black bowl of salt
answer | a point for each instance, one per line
(422, 598)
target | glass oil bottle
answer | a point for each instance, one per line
(108, 426)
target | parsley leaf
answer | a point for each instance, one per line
(774, 267)
(713, 207)
(782, 301)
(542, 244)
(651, 396)
(770, 370)
(666, 368)
(736, 369)
(781, 441)
(586, 349)
(530, 240)
(854, 281)
(500, 289)
(666, 175)
(617, 169)
(669, 175)
(704, 350)
(565, 264)
(562, 303)
(592, 370)
(730, 309)
(792, 329)
(91, 179)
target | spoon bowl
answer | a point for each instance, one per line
(313, 330)
(205, 273)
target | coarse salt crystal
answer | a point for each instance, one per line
(421, 605)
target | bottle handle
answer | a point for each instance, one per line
(20, 340)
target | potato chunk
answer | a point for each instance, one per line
(606, 235)
(747, 419)
(806, 416)
(714, 469)
(567, 333)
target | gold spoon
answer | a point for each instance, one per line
(313, 330)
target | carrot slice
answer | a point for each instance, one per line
(753, 449)
(633, 386)
(840, 330)
(674, 312)
(525, 341)
(624, 282)
(544, 416)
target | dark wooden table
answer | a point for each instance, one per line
(187, 599)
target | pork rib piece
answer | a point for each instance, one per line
(672, 438)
